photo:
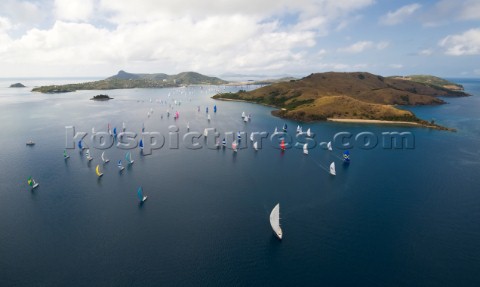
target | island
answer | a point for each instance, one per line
(124, 80)
(354, 96)
(101, 98)
(17, 85)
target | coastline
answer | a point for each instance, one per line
(362, 121)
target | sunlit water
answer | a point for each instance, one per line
(393, 217)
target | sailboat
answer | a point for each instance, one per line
(234, 146)
(80, 146)
(329, 145)
(128, 157)
(120, 166)
(140, 196)
(208, 117)
(88, 155)
(299, 129)
(275, 131)
(215, 108)
(93, 130)
(115, 132)
(105, 160)
(346, 156)
(305, 149)
(123, 126)
(239, 136)
(143, 127)
(205, 132)
(206, 110)
(285, 127)
(275, 221)
(97, 171)
(109, 130)
(245, 119)
(243, 114)
(65, 155)
(332, 168)
(32, 182)
(188, 126)
(224, 142)
(251, 137)
(255, 145)
(309, 133)
(282, 145)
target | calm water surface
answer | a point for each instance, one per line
(393, 217)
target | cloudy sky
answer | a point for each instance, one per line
(51, 38)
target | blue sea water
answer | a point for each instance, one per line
(393, 217)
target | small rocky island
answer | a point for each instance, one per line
(101, 97)
(17, 85)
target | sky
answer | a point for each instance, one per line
(95, 38)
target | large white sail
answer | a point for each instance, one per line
(305, 148)
(329, 145)
(275, 221)
(332, 168)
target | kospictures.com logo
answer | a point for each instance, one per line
(212, 139)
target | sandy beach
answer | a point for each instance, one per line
(373, 122)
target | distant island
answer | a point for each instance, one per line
(17, 85)
(356, 96)
(124, 80)
(101, 98)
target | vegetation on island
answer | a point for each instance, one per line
(432, 81)
(358, 95)
(124, 80)
(17, 85)
(101, 97)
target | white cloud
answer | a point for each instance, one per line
(398, 16)
(426, 52)
(73, 10)
(467, 43)
(173, 36)
(5, 24)
(361, 46)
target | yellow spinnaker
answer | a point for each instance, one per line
(97, 170)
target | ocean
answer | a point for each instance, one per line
(392, 217)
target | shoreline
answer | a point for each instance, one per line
(362, 121)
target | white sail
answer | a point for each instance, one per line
(243, 114)
(251, 137)
(208, 117)
(276, 131)
(329, 145)
(123, 126)
(275, 221)
(255, 145)
(305, 148)
(205, 132)
(309, 133)
(245, 119)
(332, 168)
(104, 159)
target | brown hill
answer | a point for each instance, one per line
(358, 95)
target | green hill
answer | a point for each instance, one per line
(358, 95)
(124, 80)
(432, 81)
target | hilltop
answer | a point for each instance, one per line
(125, 80)
(432, 81)
(357, 95)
